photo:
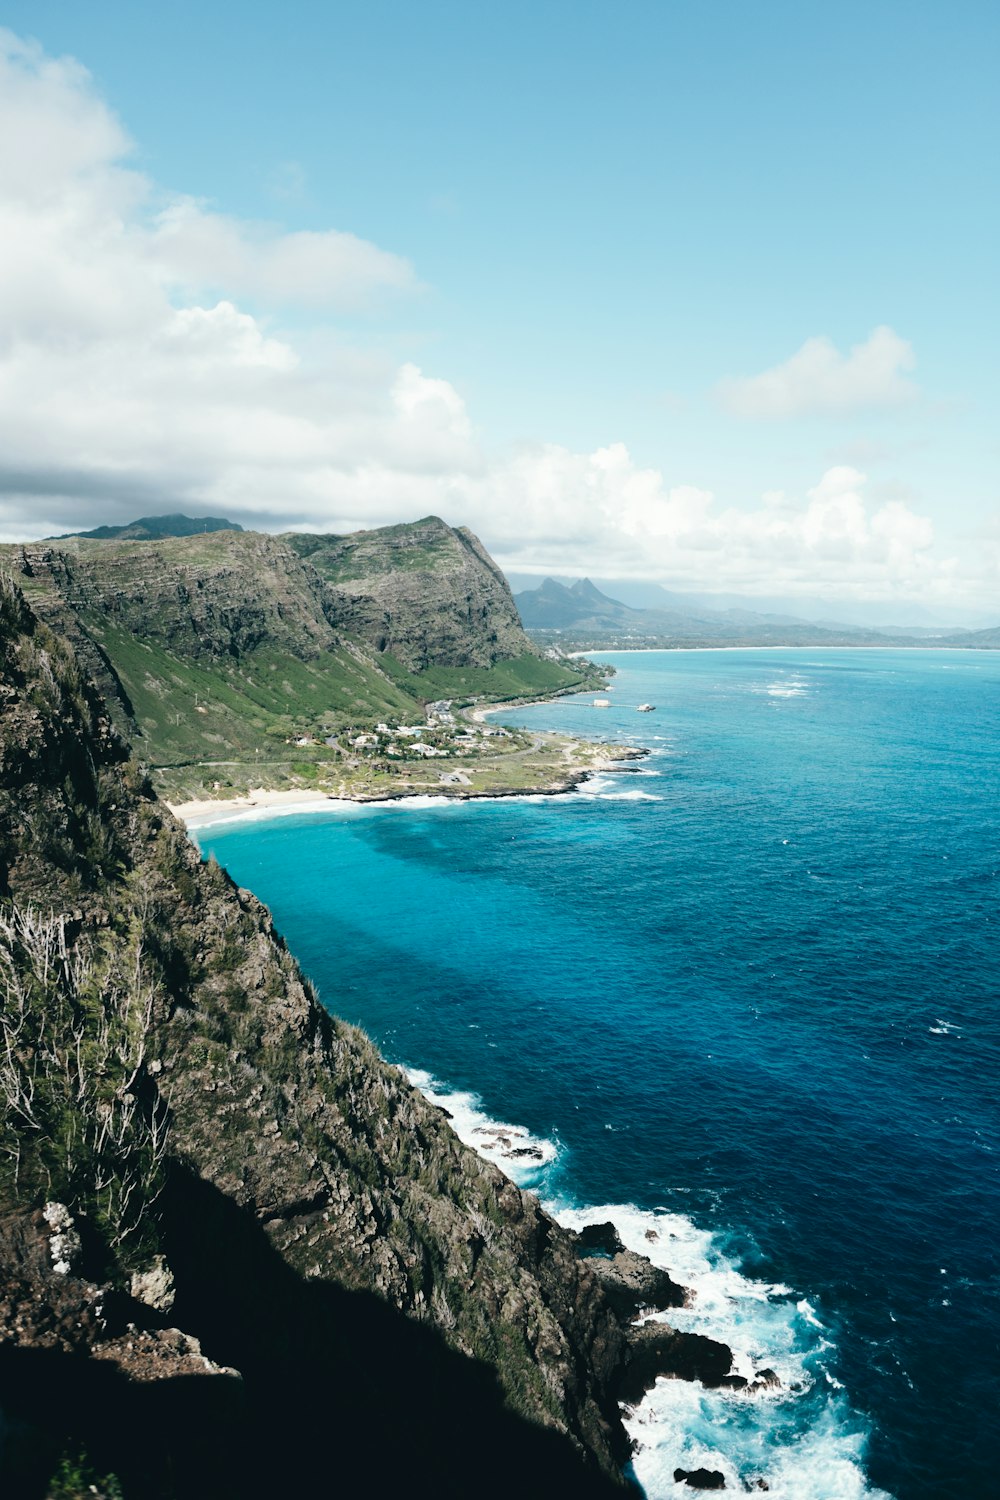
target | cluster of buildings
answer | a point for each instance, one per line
(440, 735)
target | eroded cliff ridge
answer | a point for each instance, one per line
(429, 594)
(240, 1254)
(218, 651)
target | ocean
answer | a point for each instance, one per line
(742, 999)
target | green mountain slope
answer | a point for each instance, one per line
(222, 650)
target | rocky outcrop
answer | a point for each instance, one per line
(700, 1479)
(633, 1285)
(656, 1349)
(248, 1172)
(219, 595)
(426, 593)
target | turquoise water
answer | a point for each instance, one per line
(748, 997)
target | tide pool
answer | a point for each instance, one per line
(742, 999)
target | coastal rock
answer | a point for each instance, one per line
(763, 1380)
(700, 1479)
(655, 1350)
(601, 1238)
(633, 1285)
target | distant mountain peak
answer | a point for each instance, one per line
(588, 592)
(152, 528)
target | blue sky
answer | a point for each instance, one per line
(603, 225)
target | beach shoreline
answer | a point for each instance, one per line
(261, 802)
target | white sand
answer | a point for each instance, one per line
(215, 809)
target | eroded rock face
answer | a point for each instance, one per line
(424, 592)
(633, 1285)
(223, 595)
(328, 1234)
(154, 1285)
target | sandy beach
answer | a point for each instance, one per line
(256, 799)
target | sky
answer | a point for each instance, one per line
(699, 294)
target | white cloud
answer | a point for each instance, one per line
(626, 521)
(819, 380)
(133, 378)
(198, 250)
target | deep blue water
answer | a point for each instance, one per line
(756, 988)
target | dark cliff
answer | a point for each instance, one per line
(241, 1255)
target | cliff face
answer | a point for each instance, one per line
(218, 595)
(220, 1161)
(428, 594)
(219, 650)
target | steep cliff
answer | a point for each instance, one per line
(241, 1255)
(222, 648)
(426, 593)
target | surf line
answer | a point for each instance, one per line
(782, 1422)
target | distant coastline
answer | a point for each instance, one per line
(867, 646)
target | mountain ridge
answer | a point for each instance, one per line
(581, 616)
(151, 528)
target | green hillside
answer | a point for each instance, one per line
(229, 658)
(522, 677)
(193, 710)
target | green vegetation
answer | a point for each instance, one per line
(209, 708)
(77, 1479)
(75, 1020)
(233, 718)
(340, 559)
(523, 677)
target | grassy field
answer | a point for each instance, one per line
(522, 677)
(207, 709)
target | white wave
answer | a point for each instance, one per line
(595, 784)
(606, 789)
(631, 796)
(944, 1028)
(801, 1438)
(512, 1148)
(786, 687)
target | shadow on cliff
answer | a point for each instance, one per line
(341, 1394)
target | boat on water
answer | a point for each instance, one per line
(646, 708)
(602, 702)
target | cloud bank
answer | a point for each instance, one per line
(818, 380)
(140, 368)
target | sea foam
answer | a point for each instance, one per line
(513, 1149)
(801, 1438)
